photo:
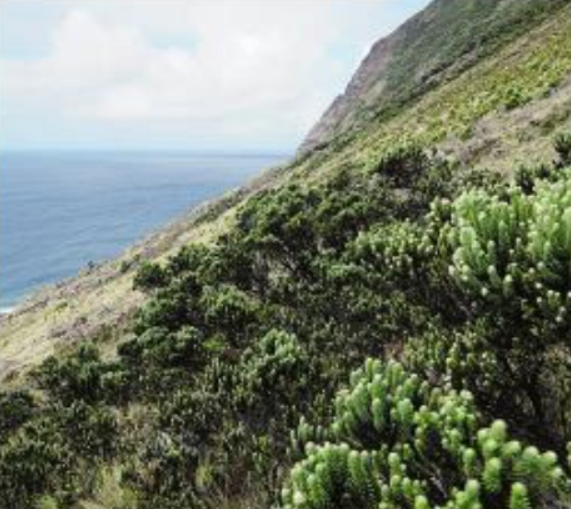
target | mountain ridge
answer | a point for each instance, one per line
(379, 79)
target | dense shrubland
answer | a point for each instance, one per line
(399, 441)
(229, 389)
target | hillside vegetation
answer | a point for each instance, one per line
(436, 45)
(385, 323)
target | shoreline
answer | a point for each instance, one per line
(6, 311)
(80, 306)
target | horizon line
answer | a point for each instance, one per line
(237, 152)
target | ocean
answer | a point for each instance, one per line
(60, 211)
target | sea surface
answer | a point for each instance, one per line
(60, 211)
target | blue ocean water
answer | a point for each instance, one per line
(59, 211)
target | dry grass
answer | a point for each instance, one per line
(89, 305)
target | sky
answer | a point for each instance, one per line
(216, 75)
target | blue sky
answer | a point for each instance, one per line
(179, 74)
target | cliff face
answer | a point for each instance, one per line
(367, 81)
(432, 47)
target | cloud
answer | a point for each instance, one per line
(226, 68)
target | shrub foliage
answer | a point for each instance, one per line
(452, 289)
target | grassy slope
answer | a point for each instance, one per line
(536, 68)
(434, 46)
(505, 108)
(98, 302)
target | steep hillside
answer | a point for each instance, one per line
(434, 46)
(467, 119)
(429, 244)
(100, 301)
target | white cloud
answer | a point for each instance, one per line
(250, 65)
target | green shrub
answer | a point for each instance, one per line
(276, 374)
(240, 339)
(35, 460)
(395, 251)
(563, 148)
(515, 251)
(15, 409)
(72, 378)
(229, 311)
(91, 430)
(401, 442)
(150, 276)
(158, 347)
(402, 163)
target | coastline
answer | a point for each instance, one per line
(58, 315)
(5, 312)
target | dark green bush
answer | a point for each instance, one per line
(150, 276)
(402, 163)
(36, 459)
(15, 409)
(563, 148)
(72, 378)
